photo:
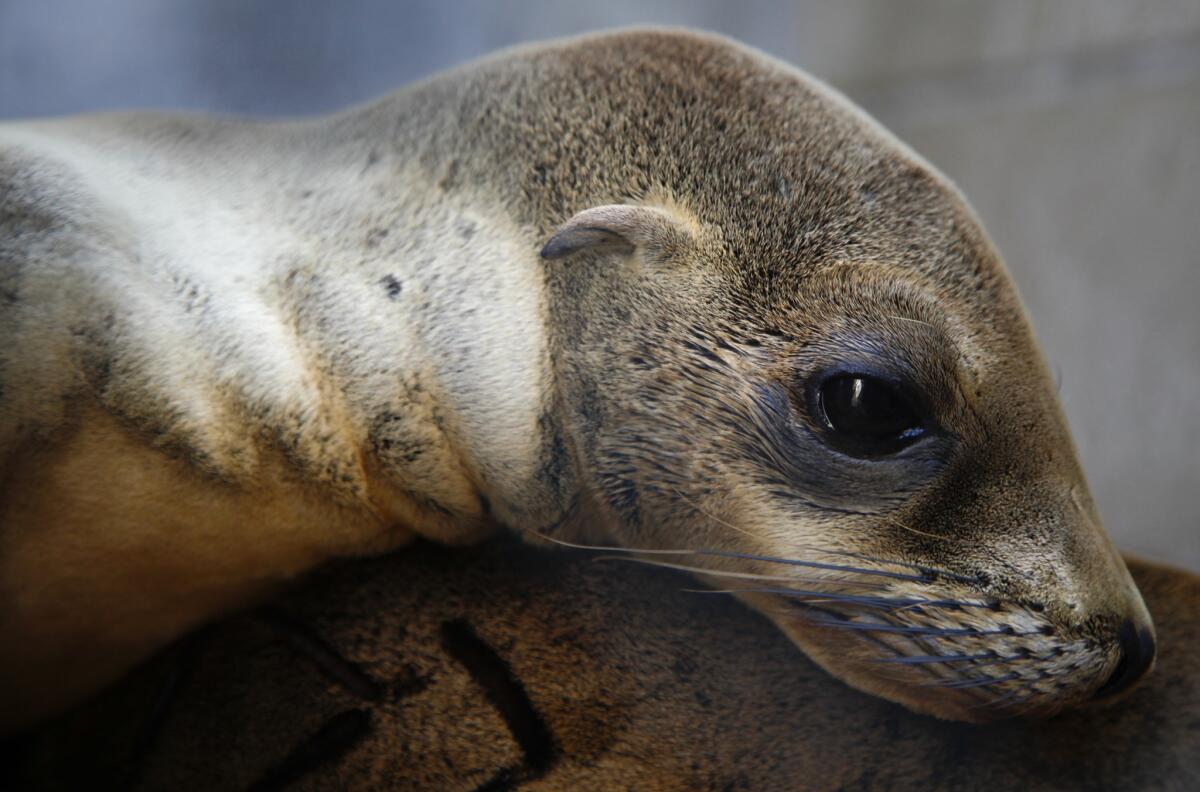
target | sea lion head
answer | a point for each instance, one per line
(787, 347)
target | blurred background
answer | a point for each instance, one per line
(1073, 126)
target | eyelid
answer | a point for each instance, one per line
(913, 396)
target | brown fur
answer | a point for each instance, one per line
(233, 350)
(637, 683)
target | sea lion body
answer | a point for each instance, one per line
(232, 350)
(219, 377)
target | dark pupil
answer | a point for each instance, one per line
(867, 409)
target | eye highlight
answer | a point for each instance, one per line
(865, 416)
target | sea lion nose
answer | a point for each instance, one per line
(1137, 655)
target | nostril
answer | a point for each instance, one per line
(1137, 655)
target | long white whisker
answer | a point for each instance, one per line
(741, 575)
(607, 548)
(896, 522)
(731, 554)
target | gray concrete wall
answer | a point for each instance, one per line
(1072, 125)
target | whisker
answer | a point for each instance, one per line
(998, 702)
(892, 520)
(926, 534)
(753, 591)
(1000, 659)
(815, 565)
(929, 570)
(1022, 693)
(713, 517)
(883, 603)
(1026, 695)
(934, 631)
(608, 548)
(742, 575)
(744, 556)
(822, 596)
(919, 659)
(781, 611)
(882, 644)
(947, 603)
(965, 684)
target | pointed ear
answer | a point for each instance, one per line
(617, 228)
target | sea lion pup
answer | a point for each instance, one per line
(651, 283)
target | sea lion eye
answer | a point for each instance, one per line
(866, 416)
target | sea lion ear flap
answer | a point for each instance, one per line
(617, 228)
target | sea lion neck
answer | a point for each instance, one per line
(450, 310)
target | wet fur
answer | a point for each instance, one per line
(231, 350)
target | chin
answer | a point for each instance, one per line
(949, 664)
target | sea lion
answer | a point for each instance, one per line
(647, 288)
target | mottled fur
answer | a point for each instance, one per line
(231, 350)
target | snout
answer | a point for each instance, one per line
(942, 644)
